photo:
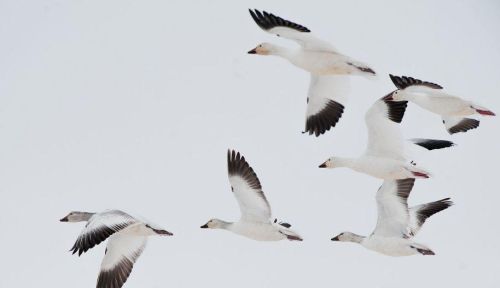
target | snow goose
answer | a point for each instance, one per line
(127, 239)
(431, 97)
(328, 90)
(384, 156)
(396, 223)
(255, 222)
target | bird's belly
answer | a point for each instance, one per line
(259, 232)
(390, 246)
(321, 64)
(445, 106)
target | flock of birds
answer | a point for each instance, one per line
(384, 158)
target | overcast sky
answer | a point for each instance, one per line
(133, 104)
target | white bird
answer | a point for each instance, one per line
(255, 222)
(397, 224)
(384, 156)
(328, 89)
(431, 97)
(127, 239)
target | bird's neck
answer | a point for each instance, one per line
(282, 52)
(345, 162)
(356, 238)
(87, 215)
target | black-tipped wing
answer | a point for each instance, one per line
(420, 213)
(290, 30)
(325, 102)
(392, 202)
(269, 21)
(432, 144)
(395, 109)
(457, 124)
(404, 81)
(121, 253)
(100, 227)
(247, 189)
(384, 133)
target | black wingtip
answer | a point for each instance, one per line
(325, 119)
(406, 81)
(396, 109)
(432, 144)
(464, 125)
(268, 21)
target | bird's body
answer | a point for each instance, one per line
(261, 231)
(384, 156)
(430, 96)
(127, 238)
(255, 221)
(397, 224)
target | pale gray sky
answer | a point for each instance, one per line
(132, 105)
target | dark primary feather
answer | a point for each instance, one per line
(464, 125)
(118, 275)
(396, 109)
(94, 237)
(432, 144)
(322, 121)
(404, 81)
(404, 187)
(427, 210)
(237, 165)
(268, 21)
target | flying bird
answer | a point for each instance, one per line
(384, 156)
(127, 239)
(397, 224)
(329, 86)
(255, 221)
(430, 96)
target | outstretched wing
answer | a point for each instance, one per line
(392, 206)
(458, 124)
(121, 253)
(384, 134)
(325, 102)
(290, 30)
(420, 213)
(99, 227)
(404, 82)
(247, 189)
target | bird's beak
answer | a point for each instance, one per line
(253, 51)
(204, 226)
(323, 165)
(336, 238)
(65, 219)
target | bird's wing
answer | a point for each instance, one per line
(121, 253)
(392, 206)
(99, 227)
(290, 30)
(247, 189)
(404, 82)
(384, 134)
(420, 213)
(458, 124)
(326, 98)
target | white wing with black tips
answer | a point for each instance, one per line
(99, 227)
(290, 30)
(392, 206)
(326, 100)
(384, 134)
(247, 189)
(459, 124)
(121, 253)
